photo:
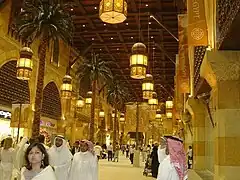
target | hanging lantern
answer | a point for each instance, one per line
(66, 88)
(25, 64)
(148, 87)
(169, 114)
(113, 11)
(88, 99)
(101, 114)
(138, 61)
(80, 103)
(169, 104)
(153, 102)
(122, 119)
(158, 115)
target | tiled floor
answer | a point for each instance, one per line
(122, 170)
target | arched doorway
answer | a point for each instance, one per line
(51, 111)
(12, 91)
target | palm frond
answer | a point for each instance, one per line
(94, 69)
(44, 18)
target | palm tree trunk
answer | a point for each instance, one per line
(91, 130)
(39, 92)
(115, 130)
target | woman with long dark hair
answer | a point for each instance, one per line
(37, 167)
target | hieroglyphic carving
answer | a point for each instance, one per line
(227, 10)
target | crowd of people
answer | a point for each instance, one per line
(33, 160)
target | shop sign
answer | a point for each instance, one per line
(47, 124)
(5, 114)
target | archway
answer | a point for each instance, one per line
(13, 91)
(51, 105)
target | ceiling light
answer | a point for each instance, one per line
(83, 25)
(117, 48)
(113, 11)
(151, 37)
(148, 87)
(95, 7)
(127, 24)
(112, 38)
(138, 61)
(71, 9)
(100, 49)
(146, 5)
(92, 38)
(104, 24)
(149, 23)
(131, 37)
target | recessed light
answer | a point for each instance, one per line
(71, 9)
(92, 38)
(117, 48)
(151, 37)
(111, 37)
(104, 24)
(131, 37)
(100, 49)
(154, 48)
(95, 7)
(83, 25)
(127, 24)
(146, 5)
(149, 23)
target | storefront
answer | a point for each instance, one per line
(48, 128)
(5, 126)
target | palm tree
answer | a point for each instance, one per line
(47, 21)
(94, 71)
(117, 95)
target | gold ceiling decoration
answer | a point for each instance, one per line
(113, 11)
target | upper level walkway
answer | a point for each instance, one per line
(124, 170)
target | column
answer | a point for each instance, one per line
(222, 71)
(198, 129)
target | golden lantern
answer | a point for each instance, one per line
(153, 102)
(122, 118)
(113, 11)
(66, 88)
(148, 87)
(169, 114)
(88, 99)
(169, 104)
(80, 103)
(25, 64)
(138, 61)
(158, 115)
(101, 114)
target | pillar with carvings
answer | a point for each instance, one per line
(221, 69)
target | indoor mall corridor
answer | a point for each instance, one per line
(124, 170)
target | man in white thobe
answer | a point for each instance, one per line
(85, 163)
(60, 158)
(173, 160)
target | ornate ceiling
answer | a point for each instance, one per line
(114, 42)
